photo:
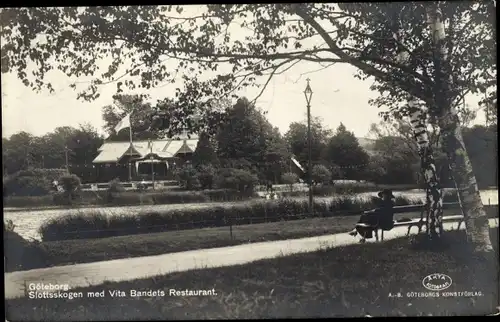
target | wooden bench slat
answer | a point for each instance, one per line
(416, 221)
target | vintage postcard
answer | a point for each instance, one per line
(277, 160)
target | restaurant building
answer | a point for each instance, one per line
(160, 157)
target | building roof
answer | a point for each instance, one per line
(114, 151)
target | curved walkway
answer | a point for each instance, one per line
(81, 275)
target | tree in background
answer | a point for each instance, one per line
(290, 178)
(18, 152)
(23, 150)
(343, 150)
(238, 179)
(141, 119)
(247, 140)
(296, 138)
(482, 146)
(205, 153)
(376, 171)
(84, 144)
(206, 175)
(320, 174)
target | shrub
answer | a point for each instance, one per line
(206, 175)
(61, 199)
(114, 187)
(32, 182)
(71, 185)
(99, 225)
(21, 254)
(290, 179)
(238, 179)
(187, 176)
(321, 174)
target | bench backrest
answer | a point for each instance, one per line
(412, 208)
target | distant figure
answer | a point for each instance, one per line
(55, 184)
(381, 218)
(269, 187)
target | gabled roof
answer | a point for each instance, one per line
(114, 151)
(185, 148)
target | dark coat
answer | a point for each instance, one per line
(382, 218)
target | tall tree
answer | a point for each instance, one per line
(84, 145)
(205, 153)
(17, 152)
(247, 135)
(296, 138)
(140, 39)
(343, 150)
(475, 216)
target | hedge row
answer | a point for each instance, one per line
(340, 188)
(128, 198)
(99, 225)
(160, 197)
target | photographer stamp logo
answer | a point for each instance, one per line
(437, 282)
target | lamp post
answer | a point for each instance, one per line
(152, 163)
(67, 158)
(308, 94)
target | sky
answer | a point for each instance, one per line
(337, 97)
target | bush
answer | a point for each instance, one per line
(21, 254)
(187, 176)
(100, 225)
(237, 179)
(32, 182)
(290, 179)
(114, 187)
(71, 185)
(321, 174)
(206, 175)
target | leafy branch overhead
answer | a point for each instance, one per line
(245, 45)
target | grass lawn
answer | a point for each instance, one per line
(353, 280)
(101, 249)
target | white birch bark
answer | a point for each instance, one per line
(434, 196)
(476, 220)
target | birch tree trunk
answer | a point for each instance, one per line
(476, 220)
(434, 195)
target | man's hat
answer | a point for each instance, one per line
(386, 192)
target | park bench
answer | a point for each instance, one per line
(416, 222)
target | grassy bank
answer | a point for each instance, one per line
(346, 281)
(97, 224)
(100, 249)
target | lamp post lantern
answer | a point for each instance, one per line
(308, 94)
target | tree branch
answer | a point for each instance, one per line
(419, 93)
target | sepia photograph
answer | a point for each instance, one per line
(250, 161)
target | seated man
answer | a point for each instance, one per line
(381, 218)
